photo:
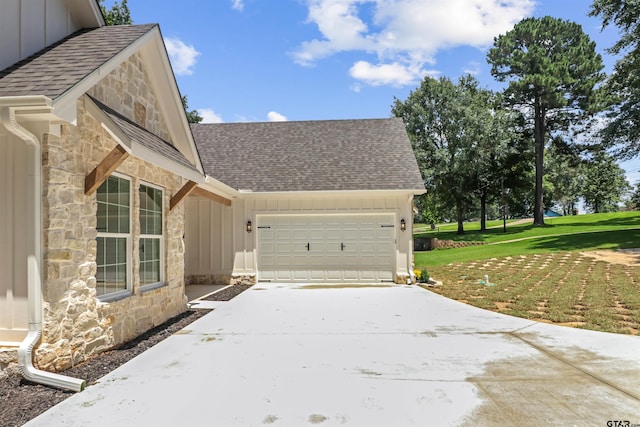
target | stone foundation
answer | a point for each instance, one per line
(8, 358)
(403, 279)
(220, 279)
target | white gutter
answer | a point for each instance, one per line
(34, 282)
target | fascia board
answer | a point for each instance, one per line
(215, 186)
(170, 103)
(66, 102)
(138, 150)
(26, 102)
(243, 194)
(87, 12)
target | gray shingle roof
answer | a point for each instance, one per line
(142, 136)
(330, 155)
(59, 67)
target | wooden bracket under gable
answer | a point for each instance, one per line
(211, 196)
(101, 172)
(182, 193)
(192, 188)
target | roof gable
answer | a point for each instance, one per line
(55, 70)
(66, 70)
(144, 144)
(331, 155)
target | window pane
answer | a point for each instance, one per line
(111, 257)
(150, 210)
(113, 216)
(101, 225)
(149, 261)
(113, 206)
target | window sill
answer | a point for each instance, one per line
(115, 296)
(151, 287)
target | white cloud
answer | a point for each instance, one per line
(209, 116)
(183, 56)
(473, 68)
(273, 116)
(237, 5)
(393, 74)
(405, 35)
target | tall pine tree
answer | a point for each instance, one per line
(553, 71)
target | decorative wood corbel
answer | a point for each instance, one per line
(182, 193)
(101, 172)
(211, 196)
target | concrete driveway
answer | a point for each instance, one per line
(287, 355)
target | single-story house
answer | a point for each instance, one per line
(110, 202)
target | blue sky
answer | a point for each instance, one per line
(261, 60)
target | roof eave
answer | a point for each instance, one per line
(329, 193)
(64, 105)
(88, 13)
(137, 149)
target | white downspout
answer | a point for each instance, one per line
(34, 282)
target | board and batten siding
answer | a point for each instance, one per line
(208, 238)
(27, 26)
(217, 244)
(14, 155)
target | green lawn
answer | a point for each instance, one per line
(541, 273)
(558, 225)
(573, 233)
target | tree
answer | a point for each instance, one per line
(498, 154)
(604, 183)
(119, 14)
(634, 201)
(445, 121)
(565, 176)
(623, 128)
(192, 116)
(553, 70)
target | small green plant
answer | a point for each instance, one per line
(422, 275)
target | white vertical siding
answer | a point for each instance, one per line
(207, 237)
(33, 24)
(217, 242)
(13, 245)
(27, 26)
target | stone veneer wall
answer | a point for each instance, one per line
(76, 324)
(126, 90)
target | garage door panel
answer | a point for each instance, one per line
(341, 248)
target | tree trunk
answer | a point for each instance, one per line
(538, 208)
(460, 212)
(483, 212)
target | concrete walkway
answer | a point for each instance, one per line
(288, 355)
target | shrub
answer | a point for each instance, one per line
(422, 275)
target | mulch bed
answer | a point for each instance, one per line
(21, 400)
(226, 294)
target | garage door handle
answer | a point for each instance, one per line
(308, 246)
(342, 246)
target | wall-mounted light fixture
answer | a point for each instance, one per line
(249, 228)
(403, 224)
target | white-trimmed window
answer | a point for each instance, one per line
(113, 256)
(151, 236)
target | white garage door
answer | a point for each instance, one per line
(325, 248)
